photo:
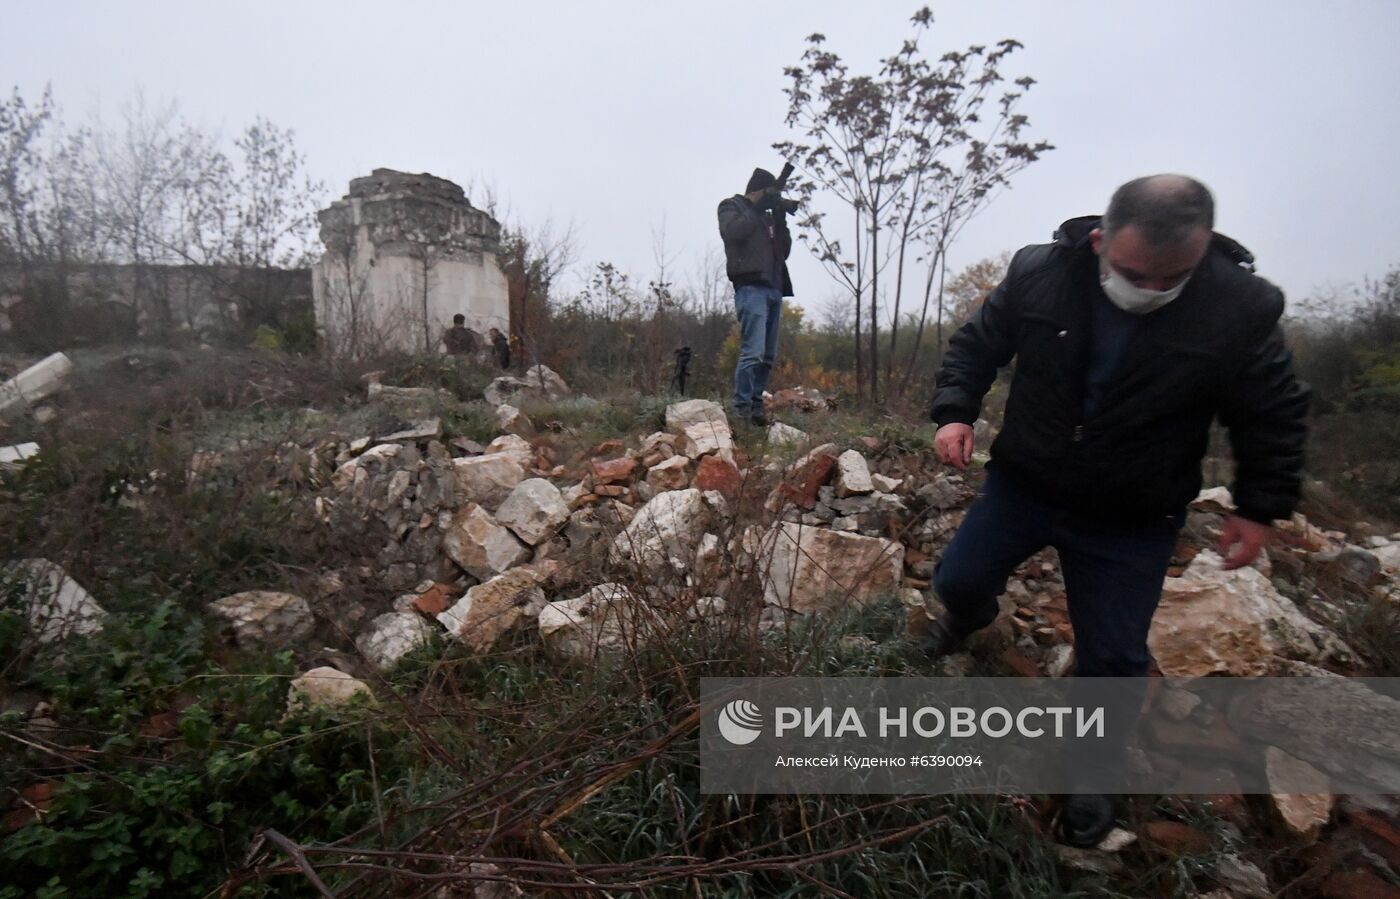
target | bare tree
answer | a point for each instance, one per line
(881, 145)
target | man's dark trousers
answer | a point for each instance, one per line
(1113, 577)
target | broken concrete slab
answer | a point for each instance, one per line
(36, 382)
(57, 607)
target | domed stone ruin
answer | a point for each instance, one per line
(404, 253)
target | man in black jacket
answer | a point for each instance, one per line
(1131, 333)
(756, 247)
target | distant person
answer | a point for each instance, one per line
(458, 340)
(682, 370)
(757, 243)
(1131, 334)
(500, 348)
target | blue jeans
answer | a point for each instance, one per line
(758, 309)
(1113, 581)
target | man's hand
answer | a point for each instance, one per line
(953, 443)
(1241, 540)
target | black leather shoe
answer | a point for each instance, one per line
(1085, 819)
(942, 639)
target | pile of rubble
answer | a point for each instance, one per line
(610, 548)
(483, 541)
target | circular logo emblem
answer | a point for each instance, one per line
(740, 722)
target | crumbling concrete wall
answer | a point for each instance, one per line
(404, 253)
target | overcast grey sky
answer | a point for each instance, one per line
(619, 116)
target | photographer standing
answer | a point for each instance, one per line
(754, 228)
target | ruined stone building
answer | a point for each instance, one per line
(404, 253)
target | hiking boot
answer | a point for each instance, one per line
(759, 419)
(1085, 819)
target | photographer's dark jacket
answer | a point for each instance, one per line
(751, 255)
(1216, 350)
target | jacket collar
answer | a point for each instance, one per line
(1073, 234)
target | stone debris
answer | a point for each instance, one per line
(392, 636)
(512, 421)
(487, 479)
(266, 618)
(36, 382)
(1117, 840)
(664, 533)
(804, 478)
(1212, 621)
(607, 618)
(613, 471)
(807, 569)
(378, 391)
(518, 448)
(423, 429)
(671, 474)
(1243, 879)
(539, 383)
(57, 606)
(12, 458)
(1059, 660)
(780, 435)
(542, 377)
(1091, 861)
(1174, 839)
(945, 492)
(800, 399)
(534, 510)
(852, 475)
(1214, 499)
(327, 687)
(718, 474)
(481, 545)
(885, 484)
(491, 609)
(702, 426)
(1177, 704)
(1304, 814)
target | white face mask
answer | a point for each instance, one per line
(1134, 299)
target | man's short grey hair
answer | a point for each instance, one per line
(1167, 209)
